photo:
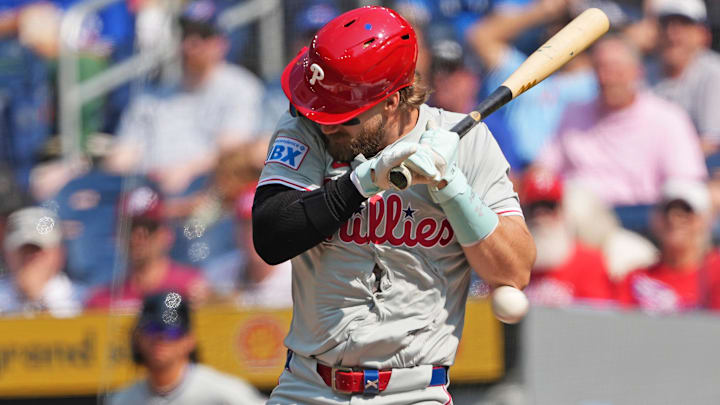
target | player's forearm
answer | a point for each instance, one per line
(506, 256)
(288, 222)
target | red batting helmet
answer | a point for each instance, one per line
(354, 62)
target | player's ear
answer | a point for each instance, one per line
(392, 103)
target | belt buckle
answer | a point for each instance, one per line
(332, 378)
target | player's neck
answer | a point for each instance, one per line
(196, 76)
(404, 122)
(168, 378)
(675, 68)
(149, 275)
(683, 259)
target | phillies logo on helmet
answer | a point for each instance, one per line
(401, 228)
(317, 73)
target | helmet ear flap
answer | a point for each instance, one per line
(354, 62)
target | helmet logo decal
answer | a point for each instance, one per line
(318, 73)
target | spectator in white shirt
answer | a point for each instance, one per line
(175, 134)
(35, 258)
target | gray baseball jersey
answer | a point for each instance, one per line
(389, 288)
(201, 386)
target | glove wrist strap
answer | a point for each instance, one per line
(362, 179)
(468, 215)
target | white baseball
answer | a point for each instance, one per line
(509, 304)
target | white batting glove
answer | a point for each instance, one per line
(372, 175)
(437, 152)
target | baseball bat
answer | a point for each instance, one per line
(567, 43)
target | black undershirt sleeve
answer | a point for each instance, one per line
(287, 222)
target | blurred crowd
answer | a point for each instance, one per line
(616, 158)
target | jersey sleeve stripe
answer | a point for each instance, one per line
(510, 213)
(285, 182)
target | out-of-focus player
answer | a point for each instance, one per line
(380, 277)
(164, 343)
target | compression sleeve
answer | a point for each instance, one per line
(287, 222)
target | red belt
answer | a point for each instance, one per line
(368, 381)
(347, 381)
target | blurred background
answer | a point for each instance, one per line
(132, 133)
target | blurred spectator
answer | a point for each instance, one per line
(308, 20)
(625, 144)
(566, 271)
(25, 94)
(456, 88)
(150, 269)
(595, 224)
(690, 70)
(243, 273)
(443, 17)
(163, 342)
(35, 258)
(37, 25)
(175, 134)
(533, 118)
(681, 279)
(29, 49)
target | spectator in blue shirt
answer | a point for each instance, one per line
(533, 118)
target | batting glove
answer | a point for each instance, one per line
(437, 152)
(372, 175)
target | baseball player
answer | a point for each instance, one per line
(380, 276)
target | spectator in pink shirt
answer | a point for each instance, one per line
(150, 268)
(626, 143)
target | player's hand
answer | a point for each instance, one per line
(372, 175)
(437, 151)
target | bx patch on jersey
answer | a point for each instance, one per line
(287, 151)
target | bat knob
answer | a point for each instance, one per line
(400, 177)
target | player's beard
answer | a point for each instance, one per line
(368, 142)
(554, 244)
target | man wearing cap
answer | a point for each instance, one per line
(380, 275)
(35, 257)
(163, 342)
(566, 271)
(690, 70)
(681, 279)
(150, 267)
(174, 134)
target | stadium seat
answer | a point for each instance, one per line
(87, 206)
